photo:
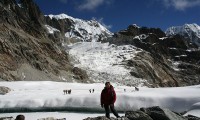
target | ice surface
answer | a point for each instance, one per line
(105, 62)
(50, 94)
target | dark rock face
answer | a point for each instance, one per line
(33, 11)
(79, 73)
(133, 30)
(27, 51)
(191, 117)
(63, 24)
(165, 61)
(153, 69)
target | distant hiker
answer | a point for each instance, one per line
(108, 98)
(69, 91)
(65, 92)
(124, 90)
(20, 117)
(90, 90)
(136, 89)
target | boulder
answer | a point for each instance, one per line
(157, 113)
(4, 90)
(79, 73)
(137, 115)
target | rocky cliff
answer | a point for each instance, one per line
(165, 61)
(27, 51)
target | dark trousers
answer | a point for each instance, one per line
(108, 108)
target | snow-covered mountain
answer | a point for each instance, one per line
(190, 31)
(90, 30)
(50, 47)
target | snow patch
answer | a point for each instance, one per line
(175, 65)
(51, 30)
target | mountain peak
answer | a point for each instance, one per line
(189, 31)
(84, 30)
(60, 16)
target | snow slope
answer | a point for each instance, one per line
(51, 30)
(188, 30)
(48, 94)
(105, 62)
(89, 30)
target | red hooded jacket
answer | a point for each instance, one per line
(108, 96)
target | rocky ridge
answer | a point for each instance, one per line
(165, 61)
(27, 51)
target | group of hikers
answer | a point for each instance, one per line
(91, 90)
(136, 89)
(67, 91)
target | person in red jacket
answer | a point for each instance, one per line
(108, 98)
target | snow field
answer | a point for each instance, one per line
(49, 94)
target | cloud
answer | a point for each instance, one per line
(102, 23)
(181, 4)
(63, 1)
(92, 4)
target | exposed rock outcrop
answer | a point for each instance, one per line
(152, 113)
(27, 50)
(4, 90)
